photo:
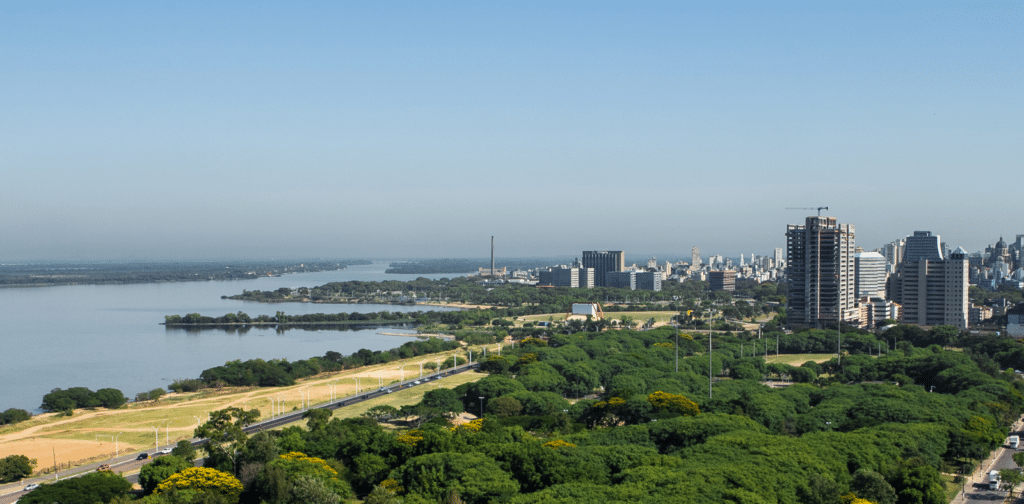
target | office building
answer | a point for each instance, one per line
(603, 262)
(648, 280)
(869, 274)
(722, 280)
(923, 245)
(820, 273)
(933, 290)
(620, 279)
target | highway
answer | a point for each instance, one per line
(128, 464)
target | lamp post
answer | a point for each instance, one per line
(677, 351)
(117, 447)
(421, 369)
(167, 432)
(156, 438)
(197, 418)
(711, 355)
(481, 406)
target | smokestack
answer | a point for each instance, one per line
(492, 256)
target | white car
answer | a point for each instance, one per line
(31, 487)
(165, 451)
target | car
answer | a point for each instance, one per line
(103, 468)
(142, 456)
(165, 451)
(417, 382)
(31, 487)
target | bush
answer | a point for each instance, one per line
(13, 416)
(186, 385)
(15, 467)
(80, 397)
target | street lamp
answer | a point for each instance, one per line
(167, 432)
(197, 418)
(156, 438)
(481, 406)
(117, 447)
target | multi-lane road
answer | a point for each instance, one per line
(130, 464)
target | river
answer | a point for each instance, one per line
(100, 336)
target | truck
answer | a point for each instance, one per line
(993, 480)
(1014, 441)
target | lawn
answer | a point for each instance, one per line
(798, 359)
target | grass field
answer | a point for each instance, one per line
(798, 359)
(92, 433)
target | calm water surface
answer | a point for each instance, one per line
(101, 336)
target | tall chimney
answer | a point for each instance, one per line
(492, 256)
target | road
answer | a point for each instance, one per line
(976, 489)
(127, 464)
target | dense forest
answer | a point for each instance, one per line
(891, 428)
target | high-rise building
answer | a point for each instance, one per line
(933, 291)
(621, 279)
(695, 262)
(603, 262)
(923, 245)
(869, 274)
(820, 272)
(724, 280)
(648, 280)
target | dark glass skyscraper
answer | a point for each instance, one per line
(603, 261)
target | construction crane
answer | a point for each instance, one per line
(819, 209)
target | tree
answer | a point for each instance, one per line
(225, 436)
(382, 495)
(316, 419)
(14, 415)
(872, 486)
(504, 406)
(381, 413)
(184, 450)
(443, 399)
(15, 467)
(203, 479)
(89, 488)
(155, 472)
(110, 398)
(476, 477)
(1009, 479)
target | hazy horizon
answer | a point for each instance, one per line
(190, 131)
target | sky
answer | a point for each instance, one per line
(201, 130)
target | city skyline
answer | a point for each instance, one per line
(172, 131)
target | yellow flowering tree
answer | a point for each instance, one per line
(674, 402)
(203, 479)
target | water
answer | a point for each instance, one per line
(100, 336)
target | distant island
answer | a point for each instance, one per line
(71, 273)
(462, 266)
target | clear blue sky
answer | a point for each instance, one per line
(190, 130)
